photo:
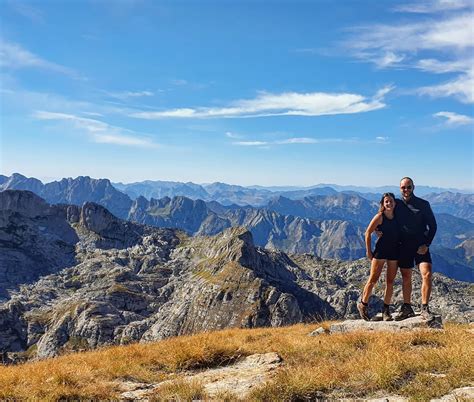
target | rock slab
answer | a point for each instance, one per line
(237, 379)
(394, 326)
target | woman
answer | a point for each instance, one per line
(386, 251)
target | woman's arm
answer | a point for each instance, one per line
(376, 220)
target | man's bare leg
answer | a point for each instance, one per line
(406, 284)
(426, 285)
(426, 276)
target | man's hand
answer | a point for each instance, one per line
(422, 249)
(379, 233)
(370, 255)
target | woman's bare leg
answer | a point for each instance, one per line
(376, 267)
(392, 268)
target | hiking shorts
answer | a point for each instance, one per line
(409, 257)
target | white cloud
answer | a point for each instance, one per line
(232, 135)
(28, 11)
(381, 140)
(442, 67)
(388, 59)
(179, 82)
(250, 143)
(447, 40)
(455, 119)
(130, 94)
(451, 33)
(99, 131)
(433, 6)
(297, 140)
(284, 104)
(14, 56)
(302, 140)
(462, 88)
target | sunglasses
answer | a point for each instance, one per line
(406, 188)
(388, 195)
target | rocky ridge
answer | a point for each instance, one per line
(322, 221)
(115, 282)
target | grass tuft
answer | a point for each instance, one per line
(419, 365)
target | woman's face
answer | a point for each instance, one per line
(388, 203)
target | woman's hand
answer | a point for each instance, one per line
(370, 255)
(423, 249)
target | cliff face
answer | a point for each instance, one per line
(73, 191)
(35, 239)
(85, 278)
(270, 229)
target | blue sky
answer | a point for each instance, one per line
(243, 92)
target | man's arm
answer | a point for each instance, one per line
(430, 221)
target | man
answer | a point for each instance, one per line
(417, 229)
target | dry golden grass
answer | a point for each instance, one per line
(357, 364)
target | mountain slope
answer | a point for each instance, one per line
(131, 282)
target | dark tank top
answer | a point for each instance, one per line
(390, 230)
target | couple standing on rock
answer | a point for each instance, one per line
(405, 230)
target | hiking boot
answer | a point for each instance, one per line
(405, 312)
(386, 316)
(426, 314)
(363, 311)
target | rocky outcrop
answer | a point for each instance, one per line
(237, 379)
(339, 206)
(35, 239)
(315, 220)
(74, 191)
(392, 326)
(326, 238)
(457, 204)
(91, 279)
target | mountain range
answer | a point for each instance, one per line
(329, 225)
(79, 277)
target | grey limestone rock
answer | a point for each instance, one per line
(394, 326)
(78, 277)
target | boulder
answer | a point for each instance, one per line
(394, 326)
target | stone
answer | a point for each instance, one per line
(458, 394)
(318, 331)
(85, 278)
(395, 326)
(237, 379)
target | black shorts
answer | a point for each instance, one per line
(409, 257)
(386, 250)
(386, 254)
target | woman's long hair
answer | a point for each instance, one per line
(382, 208)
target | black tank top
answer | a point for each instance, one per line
(389, 228)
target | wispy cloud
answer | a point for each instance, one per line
(446, 39)
(27, 10)
(433, 6)
(296, 140)
(130, 94)
(388, 59)
(454, 119)
(382, 140)
(233, 135)
(179, 82)
(14, 56)
(251, 143)
(99, 131)
(310, 50)
(461, 88)
(442, 67)
(283, 104)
